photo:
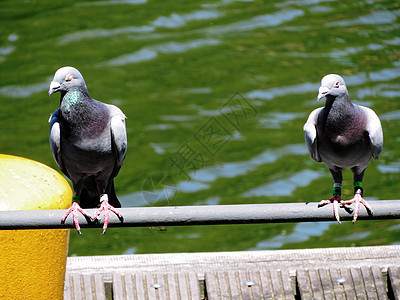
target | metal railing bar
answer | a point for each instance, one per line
(200, 215)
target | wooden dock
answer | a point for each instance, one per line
(331, 273)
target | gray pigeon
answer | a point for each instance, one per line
(88, 140)
(343, 135)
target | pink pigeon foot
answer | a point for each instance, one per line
(106, 207)
(336, 199)
(75, 208)
(357, 200)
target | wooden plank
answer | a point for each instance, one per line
(118, 287)
(224, 285)
(287, 285)
(316, 285)
(394, 281)
(67, 287)
(183, 290)
(249, 292)
(172, 285)
(379, 283)
(148, 280)
(98, 283)
(88, 290)
(326, 283)
(266, 270)
(382, 256)
(369, 283)
(277, 286)
(193, 283)
(161, 292)
(139, 287)
(304, 284)
(127, 284)
(348, 285)
(233, 284)
(266, 283)
(262, 288)
(337, 287)
(76, 286)
(358, 281)
(212, 286)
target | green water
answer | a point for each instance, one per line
(177, 69)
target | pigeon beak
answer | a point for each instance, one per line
(322, 92)
(54, 87)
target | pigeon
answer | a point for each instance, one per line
(89, 142)
(343, 135)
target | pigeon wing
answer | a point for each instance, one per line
(311, 134)
(55, 140)
(374, 129)
(118, 135)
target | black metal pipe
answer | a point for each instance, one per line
(200, 215)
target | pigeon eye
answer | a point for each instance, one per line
(336, 84)
(69, 77)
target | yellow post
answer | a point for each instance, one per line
(32, 262)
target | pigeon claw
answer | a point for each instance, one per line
(75, 209)
(107, 208)
(336, 199)
(358, 199)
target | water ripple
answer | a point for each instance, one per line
(233, 169)
(351, 80)
(102, 33)
(6, 50)
(223, 3)
(276, 119)
(338, 53)
(301, 3)
(393, 167)
(160, 127)
(112, 2)
(395, 41)
(178, 20)
(284, 187)
(152, 52)
(393, 115)
(271, 93)
(209, 201)
(385, 90)
(13, 37)
(354, 236)
(378, 17)
(24, 91)
(200, 178)
(189, 186)
(394, 227)
(173, 21)
(267, 20)
(161, 148)
(301, 233)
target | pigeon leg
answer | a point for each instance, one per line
(106, 207)
(358, 199)
(75, 209)
(358, 193)
(337, 191)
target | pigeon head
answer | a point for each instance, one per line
(332, 85)
(66, 79)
